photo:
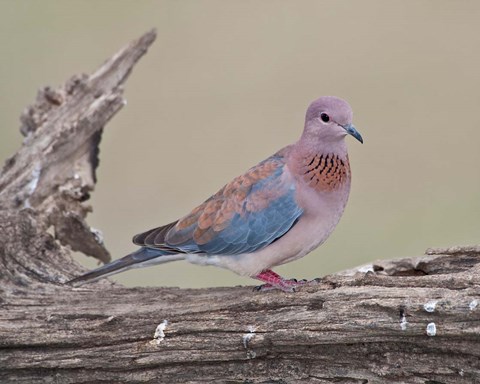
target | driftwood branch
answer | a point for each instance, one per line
(411, 321)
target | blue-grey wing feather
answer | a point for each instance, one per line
(246, 215)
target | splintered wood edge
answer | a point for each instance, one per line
(53, 172)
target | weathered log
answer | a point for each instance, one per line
(413, 320)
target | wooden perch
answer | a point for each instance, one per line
(413, 320)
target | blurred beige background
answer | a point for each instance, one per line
(227, 83)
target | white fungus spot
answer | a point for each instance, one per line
(246, 339)
(366, 268)
(159, 332)
(403, 322)
(32, 184)
(431, 329)
(430, 306)
(473, 305)
(97, 234)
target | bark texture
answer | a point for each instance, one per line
(413, 320)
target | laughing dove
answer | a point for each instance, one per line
(278, 211)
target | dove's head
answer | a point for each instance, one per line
(329, 120)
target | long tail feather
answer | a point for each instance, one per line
(141, 258)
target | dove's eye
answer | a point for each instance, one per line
(325, 118)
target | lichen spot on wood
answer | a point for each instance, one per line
(246, 339)
(403, 322)
(160, 332)
(430, 306)
(431, 329)
(473, 305)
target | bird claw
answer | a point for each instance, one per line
(274, 281)
(263, 288)
(270, 287)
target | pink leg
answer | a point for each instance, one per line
(275, 281)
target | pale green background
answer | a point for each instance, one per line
(226, 85)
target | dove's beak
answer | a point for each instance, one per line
(351, 130)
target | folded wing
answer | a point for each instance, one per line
(246, 215)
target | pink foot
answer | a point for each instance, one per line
(275, 281)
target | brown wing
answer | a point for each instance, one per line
(211, 217)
